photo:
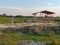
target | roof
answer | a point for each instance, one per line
(47, 12)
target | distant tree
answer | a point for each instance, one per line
(17, 16)
(4, 14)
(0, 15)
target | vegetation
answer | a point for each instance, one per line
(19, 18)
(10, 37)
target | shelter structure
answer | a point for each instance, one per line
(48, 16)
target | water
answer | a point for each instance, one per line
(26, 42)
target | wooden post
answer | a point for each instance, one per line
(53, 18)
(34, 17)
(12, 20)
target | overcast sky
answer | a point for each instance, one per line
(27, 7)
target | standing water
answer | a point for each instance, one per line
(26, 42)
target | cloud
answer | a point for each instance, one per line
(28, 11)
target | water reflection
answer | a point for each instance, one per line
(26, 42)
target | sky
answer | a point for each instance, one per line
(27, 7)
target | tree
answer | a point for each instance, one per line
(4, 14)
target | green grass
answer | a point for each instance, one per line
(10, 38)
(7, 19)
(16, 36)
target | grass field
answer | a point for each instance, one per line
(10, 38)
(21, 19)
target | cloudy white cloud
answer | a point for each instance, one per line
(27, 11)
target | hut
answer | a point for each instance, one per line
(48, 16)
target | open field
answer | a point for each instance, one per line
(20, 19)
